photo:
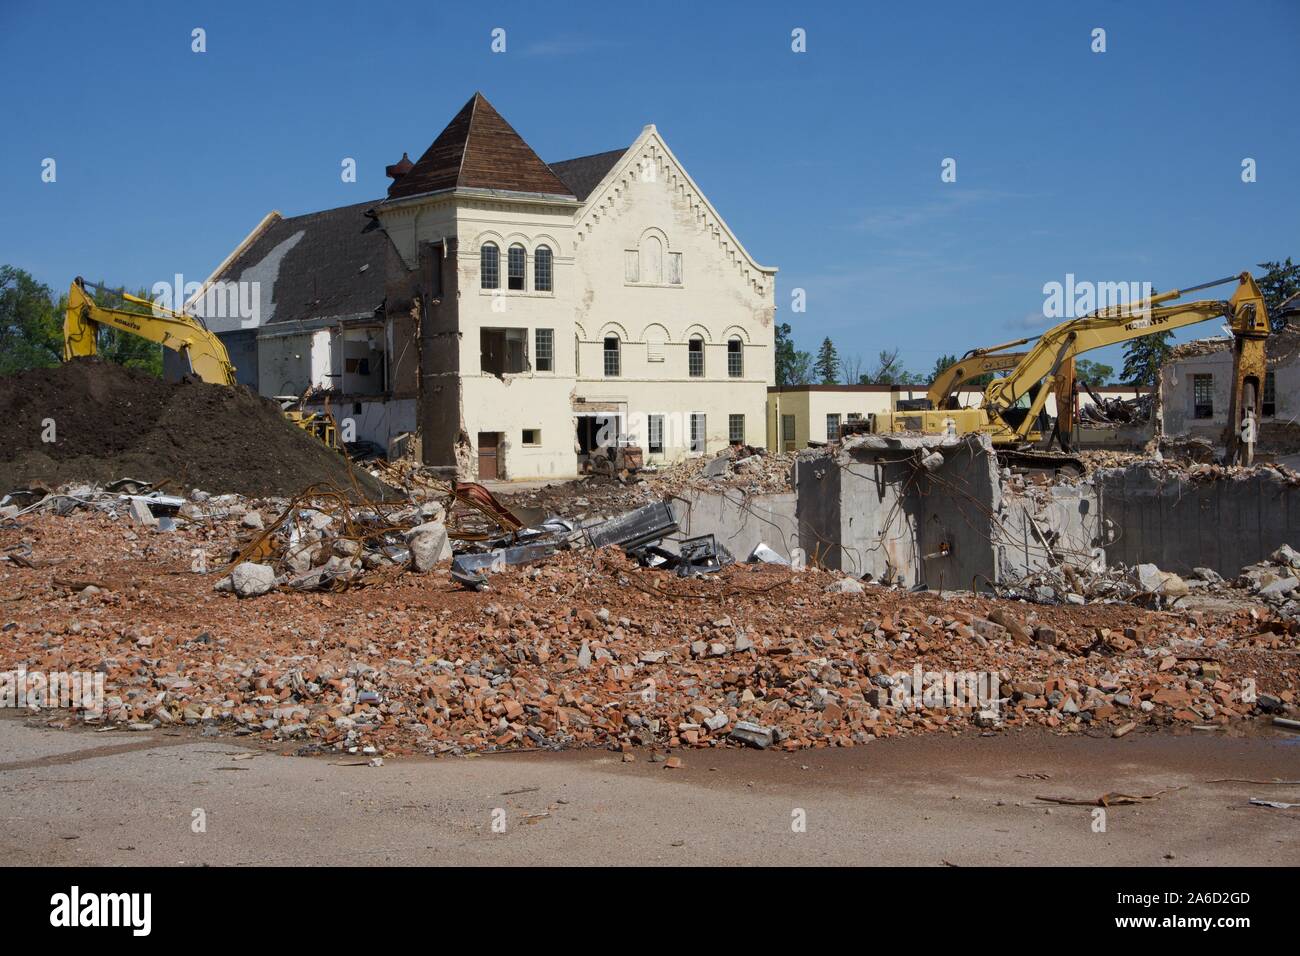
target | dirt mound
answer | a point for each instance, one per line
(110, 422)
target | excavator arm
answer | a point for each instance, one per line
(1046, 361)
(207, 356)
(970, 366)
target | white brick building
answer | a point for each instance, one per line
(516, 312)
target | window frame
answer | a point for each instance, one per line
(695, 367)
(543, 265)
(616, 352)
(522, 277)
(732, 420)
(655, 434)
(735, 357)
(832, 434)
(698, 439)
(494, 269)
(1268, 396)
(1203, 386)
(544, 356)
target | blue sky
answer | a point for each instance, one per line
(1118, 166)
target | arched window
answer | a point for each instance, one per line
(735, 357)
(695, 356)
(515, 268)
(542, 269)
(489, 260)
(613, 357)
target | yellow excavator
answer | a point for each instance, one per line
(1011, 406)
(205, 356)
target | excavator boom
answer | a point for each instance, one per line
(1012, 405)
(207, 357)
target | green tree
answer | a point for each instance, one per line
(31, 334)
(889, 371)
(941, 363)
(828, 363)
(1094, 373)
(1280, 281)
(784, 354)
(801, 369)
(123, 348)
(1143, 358)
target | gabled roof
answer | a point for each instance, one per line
(585, 173)
(328, 264)
(478, 150)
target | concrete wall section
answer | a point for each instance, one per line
(1178, 524)
(740, 521)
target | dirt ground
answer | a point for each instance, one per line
(84, 797)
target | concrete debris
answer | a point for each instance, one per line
(251, 580)
(429, 545)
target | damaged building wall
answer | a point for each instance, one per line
(910, 510)
(1179, 523)
(740, 521)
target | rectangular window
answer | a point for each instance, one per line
(736, 429)
(1203, 396)
(656, 435)
(698, 440)
(787, 432)
(735, 358)
(503, 351)
(632, 266)
(1270, 395)
(695, 357)
(515, 268)
(613, 363)
(544, 350)
(532, 436)
(855, 416)
(832, 427)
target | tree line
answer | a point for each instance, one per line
(1142, 357)
(31, 328)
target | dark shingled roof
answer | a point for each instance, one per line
(585, 173)
(478, 150)
(323, 264)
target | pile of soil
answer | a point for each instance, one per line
(113, 422)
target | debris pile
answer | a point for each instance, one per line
(752, 470)
(93, 421)
(588, 648)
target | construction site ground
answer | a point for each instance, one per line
(114, 798)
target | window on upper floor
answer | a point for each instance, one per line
(1270, 395)
(1203, 396)
(695, 357)
(515, 268)
(503, 351)
(613, 357)
(489, 259)
(652, 262)
(542, 269)
(735, 358)
(544, 349)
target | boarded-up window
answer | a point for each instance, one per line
(654, 346)
(652, 260)
(632, 266)
(674, 268)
